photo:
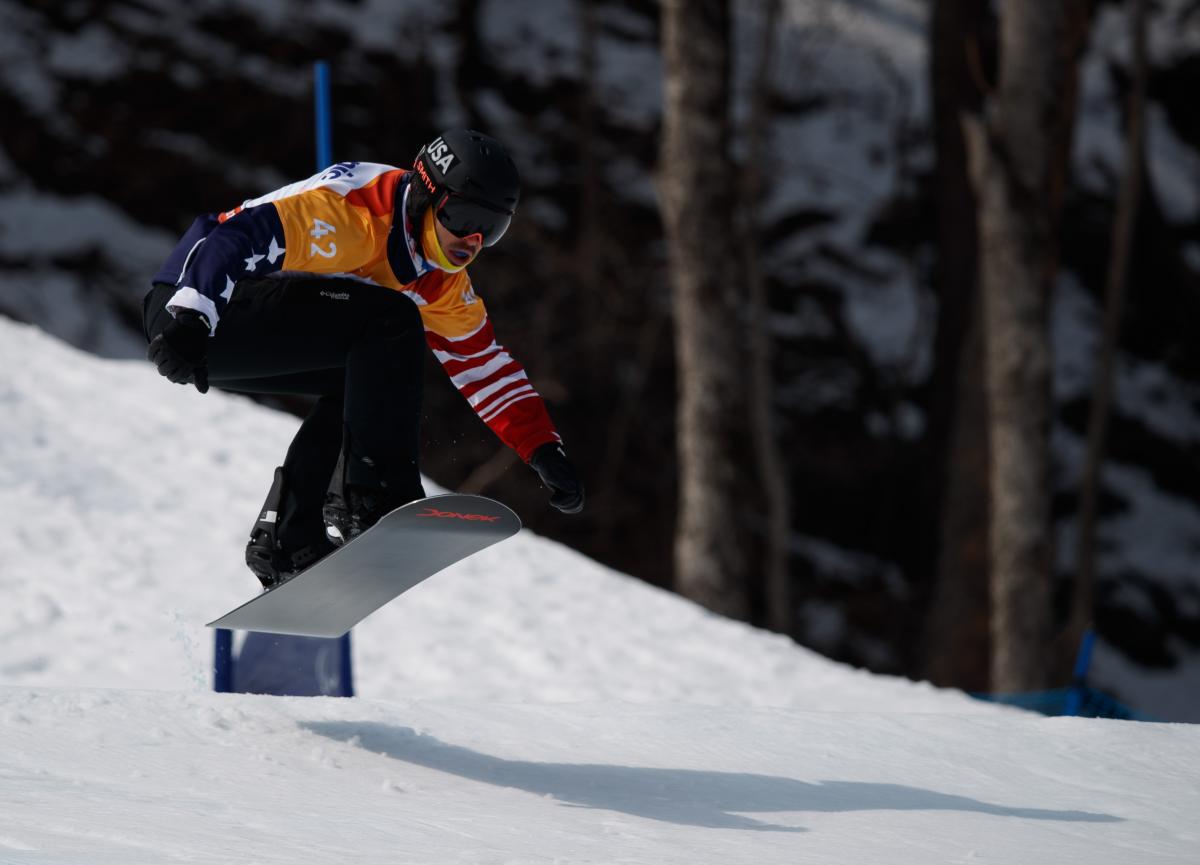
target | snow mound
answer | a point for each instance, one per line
(129, 501)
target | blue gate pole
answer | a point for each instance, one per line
(1083, 661)
(223, 661)
(346, 668)
(323, 103)
(323, 114)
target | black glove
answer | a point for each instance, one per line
(181, 351)
(557, 473)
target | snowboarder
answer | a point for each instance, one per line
(330, 287)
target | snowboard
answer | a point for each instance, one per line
(406, 547)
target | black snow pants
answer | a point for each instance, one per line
(358, 348)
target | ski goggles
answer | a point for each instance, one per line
(463, 217)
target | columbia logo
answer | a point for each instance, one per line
(336, 295)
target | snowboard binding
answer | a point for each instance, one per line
(266, 555)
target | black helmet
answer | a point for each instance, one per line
(470, 181)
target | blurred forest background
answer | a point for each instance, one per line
(763, 251)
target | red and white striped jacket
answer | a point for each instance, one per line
(493, 382)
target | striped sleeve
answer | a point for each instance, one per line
(492, 381)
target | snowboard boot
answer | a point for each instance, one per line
(357, 509)
(336, 514)
(273, 565)
(278, 549)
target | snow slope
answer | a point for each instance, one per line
(130, 777)
(129, 501)
(525, 706)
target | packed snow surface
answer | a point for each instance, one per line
(125, 776)
(525, 706)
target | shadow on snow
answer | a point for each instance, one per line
(685, 796)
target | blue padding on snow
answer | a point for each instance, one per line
(1080, 701)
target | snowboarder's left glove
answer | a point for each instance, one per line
(551, 463)
(181, 351)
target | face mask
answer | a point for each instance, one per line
(433, 248)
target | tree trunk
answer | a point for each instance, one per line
(710, 559)
(956, 646)
(1124, 223)
(1019, 164)
(772, 470)
(958, 631)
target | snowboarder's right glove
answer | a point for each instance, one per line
(181, 351)
(551, 463)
